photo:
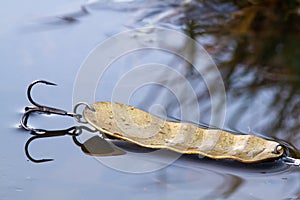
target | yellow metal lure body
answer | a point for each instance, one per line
(144, 129)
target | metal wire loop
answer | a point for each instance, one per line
(79, 117)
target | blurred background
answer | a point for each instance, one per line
(255, 45)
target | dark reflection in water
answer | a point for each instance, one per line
(66, 17)
(256, 45)
(94, 146)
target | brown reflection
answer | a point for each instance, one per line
(97, 146)
(256, 46)
(258, 40)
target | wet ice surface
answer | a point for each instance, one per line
(41, 41)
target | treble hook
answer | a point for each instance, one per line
(43, 133)
(41, 109)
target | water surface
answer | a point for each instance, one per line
(50, 40)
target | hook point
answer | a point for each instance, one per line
(46, 82)
(45, 160)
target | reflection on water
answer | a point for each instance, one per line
(93, 146)
(71, 17)
(255, 45)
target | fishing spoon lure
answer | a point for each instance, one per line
(144, 129)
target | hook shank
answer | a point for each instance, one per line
(41, 108)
